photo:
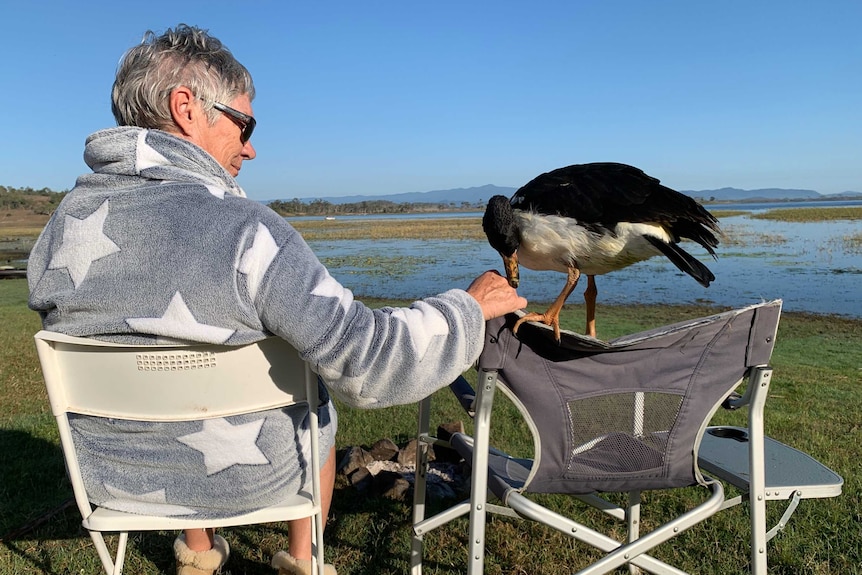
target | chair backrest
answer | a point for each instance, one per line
(170, 382)
(164, 383)
(628, 414)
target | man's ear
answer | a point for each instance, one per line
(185, 110)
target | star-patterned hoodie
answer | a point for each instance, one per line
(159, 243)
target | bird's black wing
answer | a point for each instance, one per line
(602, 194)
(684, 261)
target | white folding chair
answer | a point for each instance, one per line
(623, 416)
(166, 383)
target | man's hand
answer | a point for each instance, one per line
(495, 295)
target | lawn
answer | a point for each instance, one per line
(814, 406)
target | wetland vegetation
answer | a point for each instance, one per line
(470, 228)
(807, 214)
(20, 227)
(462, 228)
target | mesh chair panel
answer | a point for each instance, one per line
(620, 432)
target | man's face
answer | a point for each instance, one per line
(222, 139)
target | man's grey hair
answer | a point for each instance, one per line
(185, 56)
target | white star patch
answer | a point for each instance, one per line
(216, 191)
(329, 287)
(423, 323)
(224, 445)
(152, 503)
(178, 322)
(257, 259)
(83, 243)
(146, 156)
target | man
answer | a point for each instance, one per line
(160, 243)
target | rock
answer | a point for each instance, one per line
(354, 458)
(392, 485)
(384, 450)
(439, 490)
(385, 470)
(362, 480)
(446, 430)
(445, 433)
(407, 454)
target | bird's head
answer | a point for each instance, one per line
(502, 232)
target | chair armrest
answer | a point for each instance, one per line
(465, 394)
(734, 401)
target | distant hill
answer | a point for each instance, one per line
(480, 195)
(765, 194)
(476, 195)
(738, 195)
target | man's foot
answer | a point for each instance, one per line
(287, 564)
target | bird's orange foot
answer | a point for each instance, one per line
(547, 319)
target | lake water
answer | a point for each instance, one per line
(808, 265)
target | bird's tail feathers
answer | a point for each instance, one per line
(684, 261)
(701, 232)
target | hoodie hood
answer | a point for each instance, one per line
(128, 151)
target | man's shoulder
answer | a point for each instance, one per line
(258, 212)
(251, 206)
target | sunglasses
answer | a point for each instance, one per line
(245, 122)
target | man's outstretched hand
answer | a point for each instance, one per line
(495, 295)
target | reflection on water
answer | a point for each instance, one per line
(808, 265)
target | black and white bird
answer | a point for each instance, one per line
(593, 219)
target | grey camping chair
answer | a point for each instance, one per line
(627, 415)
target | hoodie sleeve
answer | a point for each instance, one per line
(368, 358)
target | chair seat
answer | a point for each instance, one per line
(504, 471)
(103, 519)
(724, 454)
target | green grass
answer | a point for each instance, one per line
(812, 214)
(463, 228)
(814, 406)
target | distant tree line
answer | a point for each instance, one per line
(45, 200)
(40, 201)
(297, 207)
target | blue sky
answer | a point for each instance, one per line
(382, 97)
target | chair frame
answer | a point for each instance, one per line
(518, 505)
(747, 465)
(271, 374)
(761, 468)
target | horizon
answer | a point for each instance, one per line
(846, 195)
(375, 100)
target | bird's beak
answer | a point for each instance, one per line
(511, 265)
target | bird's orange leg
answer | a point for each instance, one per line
(552, 316)
(590, 300)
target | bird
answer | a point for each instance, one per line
(593, 219)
